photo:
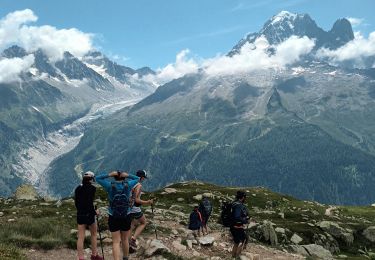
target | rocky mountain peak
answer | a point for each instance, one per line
(286, 24)
(343, 31)
(14, 51)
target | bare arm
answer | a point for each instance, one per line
(138, 197)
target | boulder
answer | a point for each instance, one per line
(299, 250)
(178, 246)
(1, 214)
(26, 192)
(198, 197)
(296, 239)
(170, 190)
(280, 230)
(208, 195)
(318, 251)
(369, 233)
(206, 241)
(155, 247)
(58, 203)
(180, 199)
(107, 241)
(336, 231)
(189, 243)
(269, 233)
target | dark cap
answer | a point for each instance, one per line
(141, 173)
(240, 194)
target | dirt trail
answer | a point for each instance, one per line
(220, 249)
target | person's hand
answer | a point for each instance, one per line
(151, 202)
(124, 175)
(113, 174)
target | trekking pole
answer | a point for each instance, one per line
(100, 235)
(153, 220)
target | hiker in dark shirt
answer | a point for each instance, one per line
(84, 196)
(205, 208)
(240, 218)
(195, 221)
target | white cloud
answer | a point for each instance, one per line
(182, 66)
(356, 51)
(11, 68)
(256, 56)
(14, 29)
(355, 21)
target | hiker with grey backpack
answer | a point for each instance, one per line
(118, 185)
(205, 208)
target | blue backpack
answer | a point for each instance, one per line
(120, 201)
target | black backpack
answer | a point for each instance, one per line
(226, 216)
(120, 201)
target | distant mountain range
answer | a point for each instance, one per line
(304, 130)
(49, 96)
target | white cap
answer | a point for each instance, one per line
(89, 174)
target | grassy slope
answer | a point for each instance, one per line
(48, 226)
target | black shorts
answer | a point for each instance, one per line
(137, 215)
(85, 219)
(119, 224)
(239, 235)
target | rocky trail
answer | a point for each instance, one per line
(220, 249)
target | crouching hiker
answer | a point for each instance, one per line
(240, 217)
(119, 221)
(84, 196)
(195, 221)
(136, 213)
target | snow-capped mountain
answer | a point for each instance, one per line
(285, 24)
(47, 109)
(305, 128)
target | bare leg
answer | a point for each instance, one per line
(94, 247)
(80, 240)
(239, 248)
(142, 224)
(125, 242)
(116, 239)
(234, 250)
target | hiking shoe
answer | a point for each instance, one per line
(132, 250)
(96, 257)
(133, 243)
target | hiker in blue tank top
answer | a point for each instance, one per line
(118, 185)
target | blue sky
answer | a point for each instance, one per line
(151, 32)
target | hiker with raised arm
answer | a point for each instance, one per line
(240, 217)
(84, 196)
(205, 208)
(118, 185)
(136, 214)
